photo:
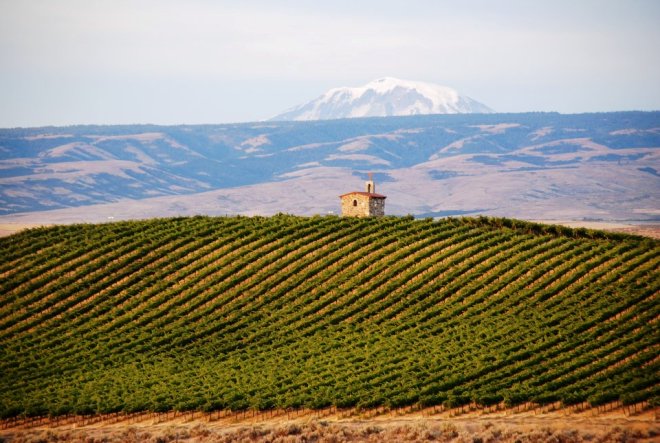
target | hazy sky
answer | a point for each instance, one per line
(167, 62)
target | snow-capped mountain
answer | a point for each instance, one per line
(385, 97)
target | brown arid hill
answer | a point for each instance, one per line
(602, 166)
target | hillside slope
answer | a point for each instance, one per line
(528, 166)
(210, 313)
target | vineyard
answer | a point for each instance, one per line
(258, 313)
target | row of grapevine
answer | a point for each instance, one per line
(255, 313)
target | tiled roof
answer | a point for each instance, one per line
(368, 194)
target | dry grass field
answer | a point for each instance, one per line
(565, 426)
(12, 228)
(651, 230)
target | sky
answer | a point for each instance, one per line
(65, 62)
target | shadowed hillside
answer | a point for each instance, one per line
(236, 313)
(530, 166)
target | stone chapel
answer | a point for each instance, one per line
(363, 204)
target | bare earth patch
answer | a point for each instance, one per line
(644, 229)
(352, 426)
(652, 231)
(11, 228)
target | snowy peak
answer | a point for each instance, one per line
(385, 97)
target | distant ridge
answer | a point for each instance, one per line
(385, 97)
(528, 166)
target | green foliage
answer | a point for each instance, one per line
(243, 313)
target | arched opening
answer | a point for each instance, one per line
(354, 202)
(369, 188)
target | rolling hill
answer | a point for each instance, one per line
(239, 313)
(528, 166)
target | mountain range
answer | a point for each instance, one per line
(385, 97)
(603, 166)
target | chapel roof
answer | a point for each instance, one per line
(368, 194)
